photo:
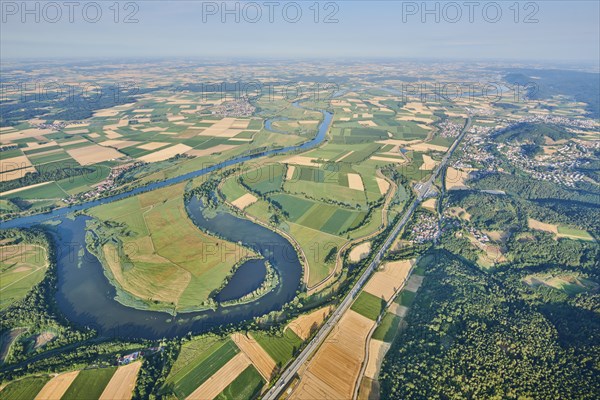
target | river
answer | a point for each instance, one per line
(86, 297)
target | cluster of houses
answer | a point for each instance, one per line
(481, 237)
(558, 167)
(425, 229)
(104, 186)
(237, 108)
(129, 358)
(449, 129)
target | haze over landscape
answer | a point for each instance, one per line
(299, 200)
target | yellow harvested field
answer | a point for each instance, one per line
(225, 128)
(377, 351)
(122, 382)
(94, 154)
(398, 142)
(456, 179)
(415, 118)
(165, 154)
(56, 387)
(397, 309)
(118, 144)
(429, 204)
(72, 142)
(414, 283)
(304, 325)
(303, 160)
(386, 282)
(153, 145)
(212, 387)
(14, 163)
(388, 159)
(24, 134)
(541, 226)
(359, 252)
(368, 123)
(424, 147)
(383, 185)
(428, 163)
(244, 201)
(289, 173)
(16, 174)
(35, 145)
(112, 134)
(333, 371)
(420, 108)
(211, 150)
(344, 156)
(154, 129)
(355, 182)
(257, 355)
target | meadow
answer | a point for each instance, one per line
(22, 266)
(161, 257)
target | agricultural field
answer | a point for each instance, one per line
(160, 254)
(333, 371)
(321, 206)
(560, 231)
(177, 130)
(246, 386)
(57, 386)
(22, 266)
(306, 324)
(122, 382)
(387, 328)
(26, 388)
(197, 362)
(368, 305)
(281, 348)
(89, 383)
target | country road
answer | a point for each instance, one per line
(322, 334)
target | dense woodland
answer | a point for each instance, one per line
(472, 334)
(485, 333)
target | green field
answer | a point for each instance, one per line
(294, 206)
(575, 233)
(406, 298)
(48, 191)
(280, 348)
(266, 179)
(24, 389)
(89, 384)
(387, 329)
(163, 258)
(198, 362)
(368, 305)
(21, 267)
(245, 387)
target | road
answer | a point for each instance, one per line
(287, 376)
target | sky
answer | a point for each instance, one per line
(567, 31)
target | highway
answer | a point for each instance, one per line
(287, 376)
